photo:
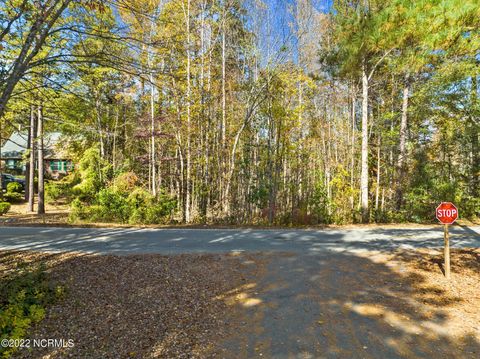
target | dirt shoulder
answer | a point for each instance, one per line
(457, 299)
(56, 215)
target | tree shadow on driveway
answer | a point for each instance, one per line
(341, 305)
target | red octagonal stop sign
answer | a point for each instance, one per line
(447, 213)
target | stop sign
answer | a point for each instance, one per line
(447, 213)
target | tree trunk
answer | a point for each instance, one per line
(27, 165)
(328, 161)
(402, 147)
(114, 146)
(224, 101)
(188, 154)
(352, 154)
(41, 177)
(364, 173)
(31, 174)
(364, 159)
(474, 132)
(224, 186)
(1, 181)
(377, 189)
(204, 192)
(99, 125)
(152, 141)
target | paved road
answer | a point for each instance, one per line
(169, 241)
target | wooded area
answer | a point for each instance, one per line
(280, 112)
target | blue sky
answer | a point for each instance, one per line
(277, 24)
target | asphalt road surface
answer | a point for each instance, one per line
(171, 241)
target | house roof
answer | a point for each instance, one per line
(16, 145)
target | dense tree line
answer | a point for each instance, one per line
(231, 111)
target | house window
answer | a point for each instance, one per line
(56, 165)
(62, 166)
(11, 164)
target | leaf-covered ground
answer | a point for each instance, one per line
(137, 306)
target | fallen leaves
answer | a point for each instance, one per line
(139, 306)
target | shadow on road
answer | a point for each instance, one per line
(171, 241)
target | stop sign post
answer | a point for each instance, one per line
(447, 214)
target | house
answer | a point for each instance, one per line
(14, 155)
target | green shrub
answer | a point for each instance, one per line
(13, 197)
(53, 191)
(14, 187)
(4, 208)
(470, 208)
(140, 198)
(418, 205)
(394, 216)
(109, 205)
(125, 182)
(321, 204)
(122, 201)
(77, 210)
(146, 209)
(56, 190)
(24, 295)
(82, 212)
(94, 172)
(138, 201)
(112, 205)
(259, 196)
(158, 212)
